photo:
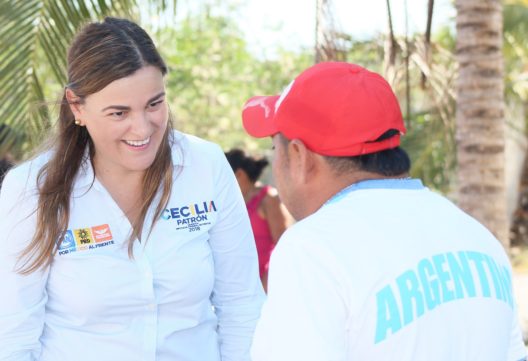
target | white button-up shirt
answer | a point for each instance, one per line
(191, 291)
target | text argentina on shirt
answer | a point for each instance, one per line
(192, 216)
(446, 277)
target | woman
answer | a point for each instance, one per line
(269, 218)
(125, 239)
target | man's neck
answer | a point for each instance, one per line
(328, 184)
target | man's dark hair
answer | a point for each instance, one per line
(388, 163)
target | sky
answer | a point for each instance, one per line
(290, 24)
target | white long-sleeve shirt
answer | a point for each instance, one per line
(191, 292)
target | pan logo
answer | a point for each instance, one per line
(83, 239)
(68, 242)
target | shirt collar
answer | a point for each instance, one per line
(390, 183)
(180, 149)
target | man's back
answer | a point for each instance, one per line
(389, 271)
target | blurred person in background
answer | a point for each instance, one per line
(269, 218)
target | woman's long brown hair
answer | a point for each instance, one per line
(99, 54)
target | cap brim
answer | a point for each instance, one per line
(258, 116)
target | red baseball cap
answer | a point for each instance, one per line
(335, 108)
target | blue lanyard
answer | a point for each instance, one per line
(391, 183)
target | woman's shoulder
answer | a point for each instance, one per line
(188, 149)
(20, 183)
(28, 171)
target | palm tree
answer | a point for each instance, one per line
(34, 36)
(480, 113)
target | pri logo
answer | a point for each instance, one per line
(102, 233)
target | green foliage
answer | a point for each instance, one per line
(367, 53)
(445, 38)
(431, 146)
(515, 17)
(212, 74)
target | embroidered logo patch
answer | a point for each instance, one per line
(83, 236)
(102, 233)
(83, 239)
(68, 242)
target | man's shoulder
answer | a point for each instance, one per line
(306, 235)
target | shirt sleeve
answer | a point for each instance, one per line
(23, 297)
(237, 295)
(305, 315)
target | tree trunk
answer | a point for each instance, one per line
(390, 45)
(321, 29)
(480, 114)
(327, 47)
(427, 42)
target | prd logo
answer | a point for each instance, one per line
(83, 236)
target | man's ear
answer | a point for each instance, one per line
(74, 103)
(302, 160)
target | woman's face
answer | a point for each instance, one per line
(126, 121)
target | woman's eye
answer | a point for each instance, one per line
(118, 115)
(155, 104)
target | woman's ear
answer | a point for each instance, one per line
(74, 103)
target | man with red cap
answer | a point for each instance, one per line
(377, 267)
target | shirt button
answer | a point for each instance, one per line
(151, 307)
